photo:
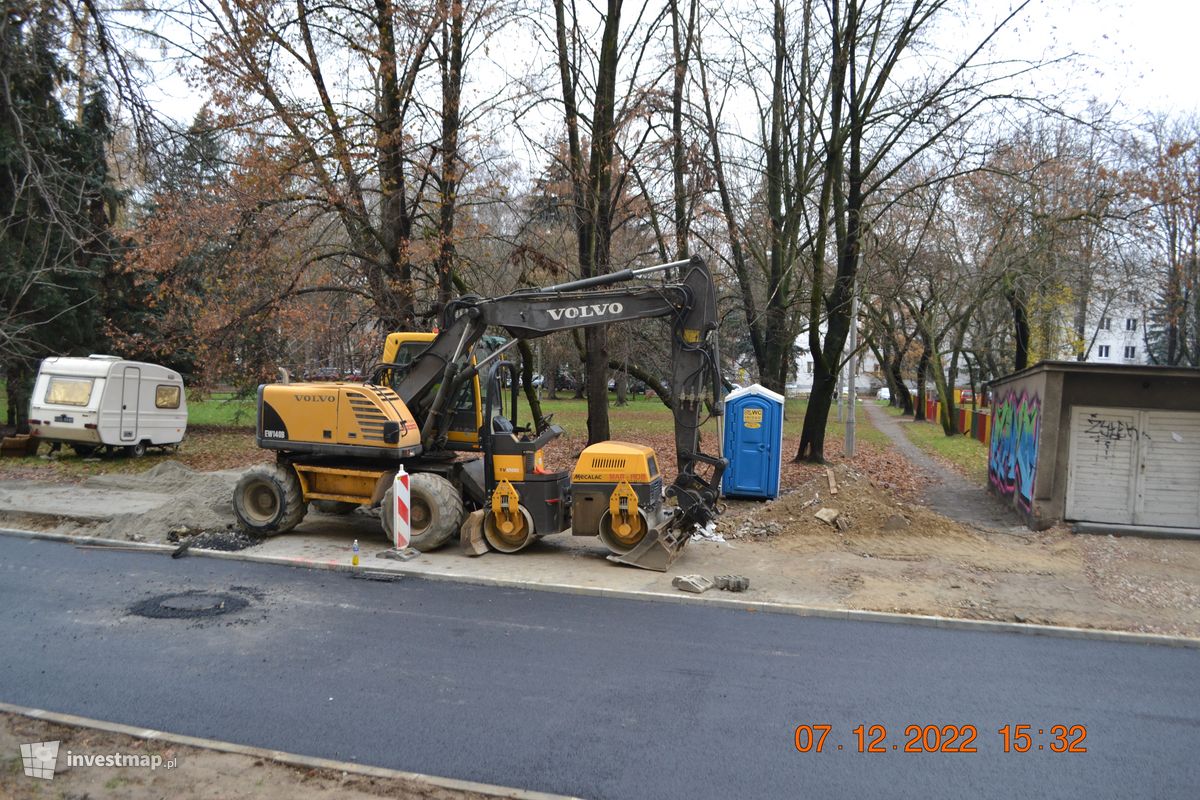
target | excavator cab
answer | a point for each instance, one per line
(400, 350)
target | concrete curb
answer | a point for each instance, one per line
(291, 759)
(769, 607)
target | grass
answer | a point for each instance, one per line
(224, 409)
(650, 416)
(641, 415)
(966, 454)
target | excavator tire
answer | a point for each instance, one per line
(436, 511)
(268, 499)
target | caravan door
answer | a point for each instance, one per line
(130, 385)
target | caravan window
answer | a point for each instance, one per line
(166, 396)
(69, 391)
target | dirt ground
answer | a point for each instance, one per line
(198, 775)
(898, 555)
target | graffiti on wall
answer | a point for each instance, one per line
(1012, 454)
(1109, 432)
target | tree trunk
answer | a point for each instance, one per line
(551, 378)
(948, 418)
(922, 371)
(395, 298)
(451, 67)
(681, 43)
(906, 399)
(596, 369)
(593, 193)
(19, 388)
(535, 404)
(815, 418)
(1021, 330)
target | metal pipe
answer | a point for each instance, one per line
(610, 278)
(495, 353)
(661, 267)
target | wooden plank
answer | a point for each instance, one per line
(833, 489)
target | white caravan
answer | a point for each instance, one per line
(106, 401)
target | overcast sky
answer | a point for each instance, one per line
(1138, 55)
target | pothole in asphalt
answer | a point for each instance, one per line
(193, 604)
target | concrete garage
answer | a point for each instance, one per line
(1108, 447)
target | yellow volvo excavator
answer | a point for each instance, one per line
(340, 444)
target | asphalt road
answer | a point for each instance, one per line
(588, 696)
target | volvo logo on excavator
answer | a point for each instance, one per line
(584, 312)
(316, 398)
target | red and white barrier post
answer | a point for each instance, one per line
(401, 508)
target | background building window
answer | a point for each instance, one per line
(1130, 352)
(1131, 324)
(1103, 351)
(1105, 323)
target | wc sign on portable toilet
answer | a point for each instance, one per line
(753, 442)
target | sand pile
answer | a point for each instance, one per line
(199, 501)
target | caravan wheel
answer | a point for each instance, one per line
(136, 450)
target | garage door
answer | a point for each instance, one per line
(1129, 466)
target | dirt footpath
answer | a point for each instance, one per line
(198, 774)
(894, 554)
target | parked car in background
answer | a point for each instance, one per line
(884, 394)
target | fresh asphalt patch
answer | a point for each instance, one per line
(195, 604)
(235, 605)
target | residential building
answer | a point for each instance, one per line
(1115, 335)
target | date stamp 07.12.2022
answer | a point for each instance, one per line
(1010, 738)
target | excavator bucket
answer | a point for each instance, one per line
(657, 550)
(470, 535)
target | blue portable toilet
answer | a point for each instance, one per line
(753, 442)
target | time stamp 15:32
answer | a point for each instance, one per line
(1012, 738)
